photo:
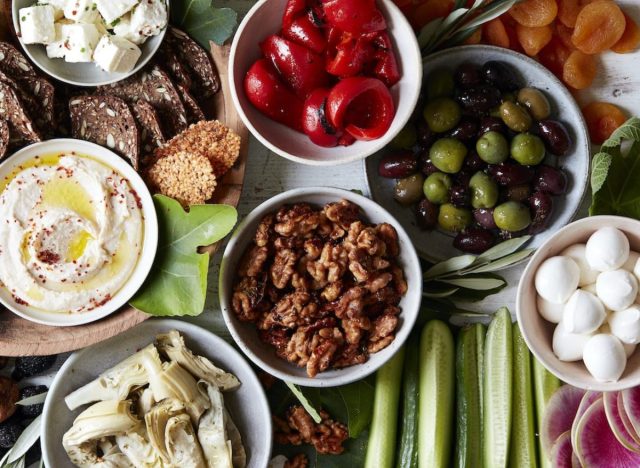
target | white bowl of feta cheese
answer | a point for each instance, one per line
(90, 42)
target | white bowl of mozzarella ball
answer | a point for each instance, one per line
(578, 304)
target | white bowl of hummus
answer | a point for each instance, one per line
(78, 232)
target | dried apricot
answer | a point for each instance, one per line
(510, 26)
(475, 38)
(564, 34)
(568, 12)
(533, 40)
(534, 13)
(602, 120)
(554, 55)
(494, 33)
(579, 70)
(630, 39)
(598, 27)
(430, 10)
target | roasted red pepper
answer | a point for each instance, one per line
(348, 54)
(293, 10)
(302, 31)
(300, 68)
(362, 106)
(354, 16)
(315, 122)
(386, 65)
(266, 91)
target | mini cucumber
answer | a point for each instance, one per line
(523, 446)
(498, 381)
(436, 395)
(381, 449)
(544, 384)
(408, 452)
(468, 453)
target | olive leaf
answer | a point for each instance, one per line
(477, 284)
(177, 284)
(33, 400)
(502, 249)
(503, 262)
(451, 265)
(304, 401)
(203, 21)
(26, 440)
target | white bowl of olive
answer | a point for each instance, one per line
(497, 149)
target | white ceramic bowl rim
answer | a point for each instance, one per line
(529, 274)
(412, 297)
(413, 53)
(112, 77)
(187, 329)
(150, 223)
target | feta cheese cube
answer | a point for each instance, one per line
(58, 7)
(111, 10)
(37, 24)
(81, 11)
(116, 54)
(80, 41)
(57, 48)
(149, 17)
(123, 29)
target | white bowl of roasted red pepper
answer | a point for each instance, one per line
(323, 83)
(497, 149)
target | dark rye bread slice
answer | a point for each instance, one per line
(4, 138)
(154, 86)
(197, 61)
(106, 121)
(151, 135)
(13, 63)
(194, 112)
(12, 109)
(168, 59)
(38, 96)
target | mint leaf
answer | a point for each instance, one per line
(616, 191)
(203, 21)
(177, 283)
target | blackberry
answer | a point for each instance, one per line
(10, 430)
(32, 411)
(32, 365)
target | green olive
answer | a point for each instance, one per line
(512, 216)
(448, 154)
(452, 218)
(527, 149)
(493, 148)
(408, 191)
(484, 191)
(509, 96)
(440, 84)
(442, 114)
(515, 117)
(536, 102)
(406, 138)
(436, 188)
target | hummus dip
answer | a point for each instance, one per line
(71, 233)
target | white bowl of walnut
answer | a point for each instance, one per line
(314, 297)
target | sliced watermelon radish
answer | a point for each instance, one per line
(631, 405)
(562, 452)
(559, 414)
(587, 400)
(596, 443)
(612, 411)
(625, 419)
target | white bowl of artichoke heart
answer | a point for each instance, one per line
(164, 394)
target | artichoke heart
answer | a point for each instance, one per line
(117, 382)
(135, 445)
(182, 444)
(238, 453)
(156, 423)
(212, 432)
(175, 382)
(172, 345)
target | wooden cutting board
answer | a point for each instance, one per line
(20, 337)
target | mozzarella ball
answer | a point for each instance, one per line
(550, 311)
(625, 324)
(605, 357)
(568, 346)
(617, 289)
(631, 262)
(557, 279)
(577, 253)
(607, 249)
(629, 349)
(583, 313)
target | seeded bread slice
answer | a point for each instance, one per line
(195, 114)
(151, 135)
(154, 86)
(12, 109)
(168, 58)
(197, 61)
(107, 121)
(13, 63)
(37, 96)
(4, 138)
